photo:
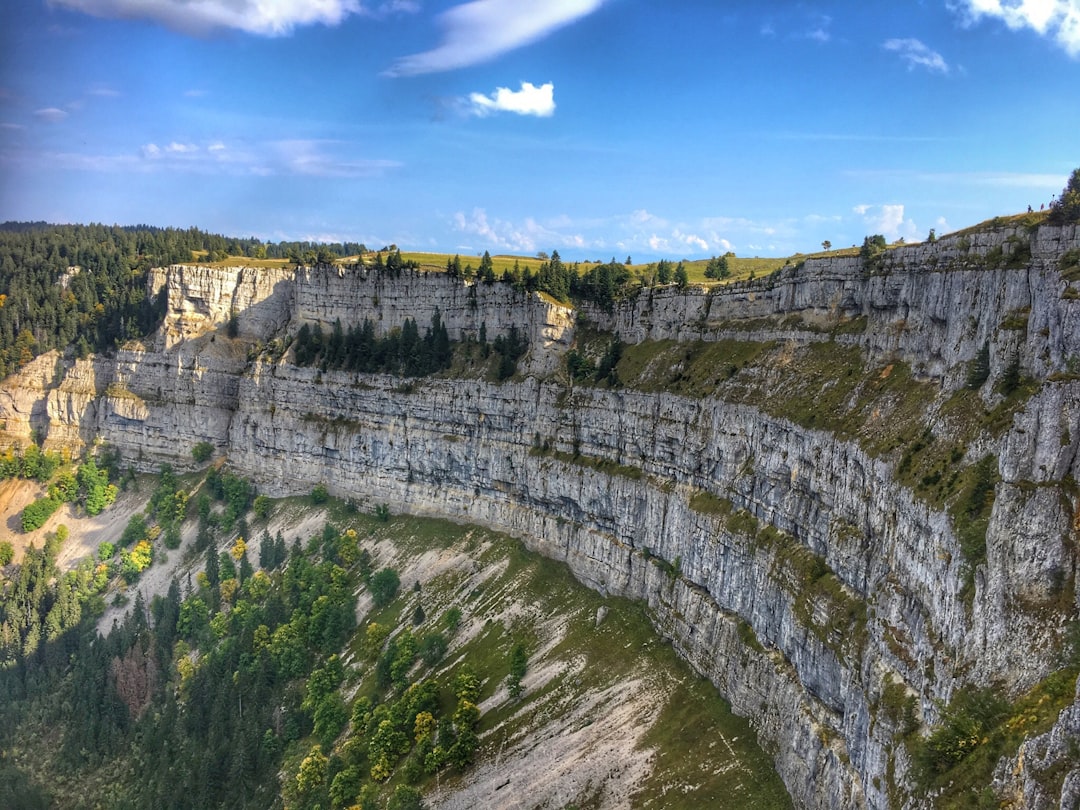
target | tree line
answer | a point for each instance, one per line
(85, 286)
(401, 351)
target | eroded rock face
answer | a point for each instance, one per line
(832, 582)
(932, 305)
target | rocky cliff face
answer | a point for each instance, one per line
(790, 565)
(266, 302)
(932, 305)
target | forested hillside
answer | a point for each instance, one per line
(84, 286)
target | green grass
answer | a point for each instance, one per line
(1028, 220)
(686, 727)
(1002, 727)
(828, 386)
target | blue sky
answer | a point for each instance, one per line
(595, 127)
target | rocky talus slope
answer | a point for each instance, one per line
(788, 554)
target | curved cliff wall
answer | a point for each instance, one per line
(932, 305)
(788, 563)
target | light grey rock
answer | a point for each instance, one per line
(808, 666)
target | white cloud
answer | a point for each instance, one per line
(529, 100)
(639, 233)
(916, 54)
(799, 24)
(51, 114)
(262, 17)
(1059, 19)
(888, 220)
(527, 236)
(691, 240)
(325, 159)
(481, 30)
(642, 217)
(820, 32)
(311, 158)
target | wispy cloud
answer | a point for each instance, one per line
(916, 54)
(328, 159)
(819, 32)
(260, 17)
(481, 30)
(1031, 180)
(799, 24)
(1058, 19)
(850, 136)
(529, 100)
(307, 158)
(53, 115)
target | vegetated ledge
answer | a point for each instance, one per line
(826, 516)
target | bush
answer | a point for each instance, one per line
(7, 553)
(433, 647)
(35, 515)
(406, 798)
(261, 506)
(202, 451)
(519, 663)
(1067, 207)
(320, 494)
(872, 247)
(384, 586)
(966, 724)
(452, 618)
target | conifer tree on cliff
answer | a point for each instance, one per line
(1066, 208)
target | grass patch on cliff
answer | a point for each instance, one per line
(820, 601)
(704, 755)
(956, 761)
(829, 386)
(604, 465)
(695, 369)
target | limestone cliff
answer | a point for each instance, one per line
(798, 567)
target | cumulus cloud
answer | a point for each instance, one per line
(1058, 19)
(638, 232)
(481, 30)
(529, 100)
(53, 115)
(916, 54)
(261, 17)
(690, 240)
(888, 220)
(496, 233)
